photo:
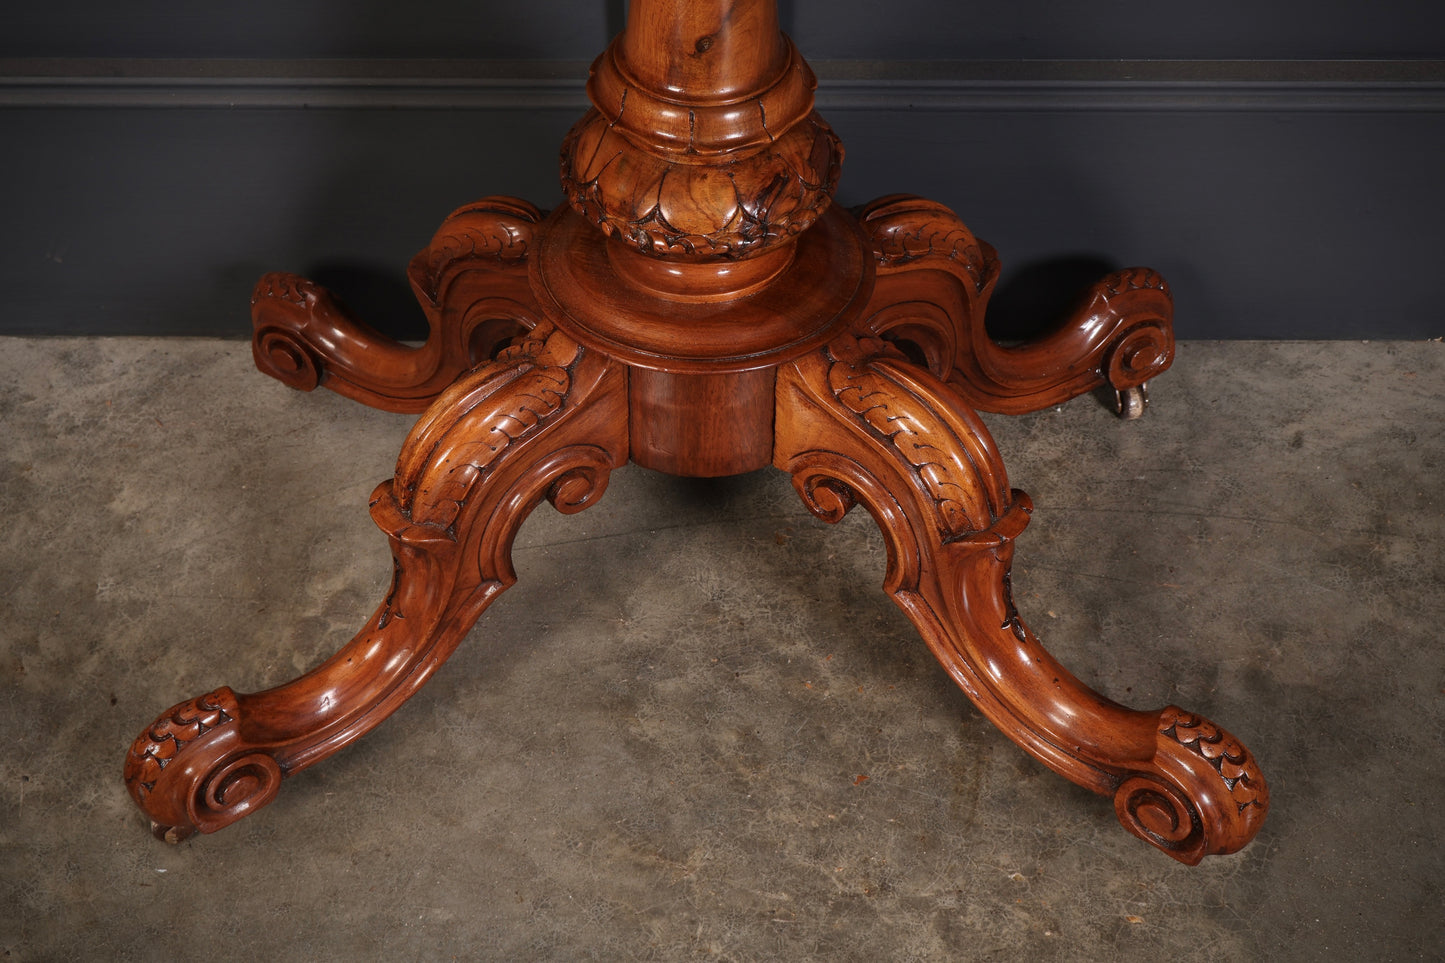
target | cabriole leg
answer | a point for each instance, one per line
(545, 420)
(857, 422)
(934, 282)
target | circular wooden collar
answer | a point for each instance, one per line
(818, 292)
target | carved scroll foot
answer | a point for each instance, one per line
(934, 282)
(471, 281)
(1202, 793)
(545, 420)
(858, 422)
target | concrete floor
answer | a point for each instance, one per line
(651, 748)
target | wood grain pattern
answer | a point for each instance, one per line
(702, 308)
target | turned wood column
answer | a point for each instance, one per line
(701, 164)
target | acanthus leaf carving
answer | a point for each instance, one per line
(703, 172)
(163, 740)
(957, 468)
(1176, 803)
(477, 420)
(284, 286)
(1134, 279)
(1226, 754)
(496, 228)
(904, 228)
(935, 279)
(666, 206)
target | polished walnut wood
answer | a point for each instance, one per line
(701, 307)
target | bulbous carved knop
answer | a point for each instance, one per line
(667, 207)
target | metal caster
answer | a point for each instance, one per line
(1131, 402)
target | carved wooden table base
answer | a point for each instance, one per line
(700, 307)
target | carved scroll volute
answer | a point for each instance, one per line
(702, 143)
(1205, 795)
(191, 770)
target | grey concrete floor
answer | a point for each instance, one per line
(652, 747)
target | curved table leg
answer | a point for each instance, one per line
(934, 281)
(471, 281)
(858, 422)
(546, 420)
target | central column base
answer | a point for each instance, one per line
(703, 340)
(818, 293)
(701, 425)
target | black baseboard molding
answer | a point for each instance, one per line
(1287, 85)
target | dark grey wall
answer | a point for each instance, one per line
(825, 29)
(158, 158)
